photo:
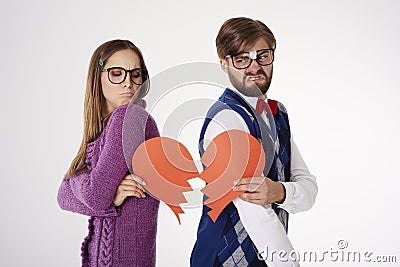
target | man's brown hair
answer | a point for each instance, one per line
(237, 34)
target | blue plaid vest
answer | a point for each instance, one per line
(226, 242)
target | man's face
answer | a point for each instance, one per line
(255, 79)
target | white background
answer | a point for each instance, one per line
(336, 71)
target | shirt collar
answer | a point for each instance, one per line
(252, 100)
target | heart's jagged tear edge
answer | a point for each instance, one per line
(233, 155)
(166, 165)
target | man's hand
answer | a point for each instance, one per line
(260, 190)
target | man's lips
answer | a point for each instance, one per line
(255, 78)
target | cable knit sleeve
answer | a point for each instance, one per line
(97, 190)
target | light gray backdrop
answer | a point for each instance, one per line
(336, 70)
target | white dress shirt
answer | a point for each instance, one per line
(261, 222)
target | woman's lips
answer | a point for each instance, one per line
(126, 94)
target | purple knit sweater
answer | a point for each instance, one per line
(121, 236)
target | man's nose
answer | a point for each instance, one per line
(254, 67)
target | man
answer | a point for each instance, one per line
(246, 51)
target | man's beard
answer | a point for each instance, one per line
(247, 87)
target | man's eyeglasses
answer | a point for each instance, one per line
(243, 60)
(117, 75)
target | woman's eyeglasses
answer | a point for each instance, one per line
(117, 75)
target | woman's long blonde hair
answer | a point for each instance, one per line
(93, 121)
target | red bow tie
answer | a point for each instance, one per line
(261, 106)
(271, 107)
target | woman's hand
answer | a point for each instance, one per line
(130, 186)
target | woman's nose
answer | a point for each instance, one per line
(127, 82)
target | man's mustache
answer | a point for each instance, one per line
(259, 72)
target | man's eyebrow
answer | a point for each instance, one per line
(242, 51)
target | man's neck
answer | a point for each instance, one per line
(263, 97)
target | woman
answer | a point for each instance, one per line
(123, 218)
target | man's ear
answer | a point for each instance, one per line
(224, 64)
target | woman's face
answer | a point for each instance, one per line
(116, 95)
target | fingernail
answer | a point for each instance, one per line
(139, 180)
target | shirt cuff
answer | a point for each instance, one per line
(289, 188)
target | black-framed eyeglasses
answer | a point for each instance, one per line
(117, 75)
(243, 60)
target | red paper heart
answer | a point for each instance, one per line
(166, 165)
(237, 154)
